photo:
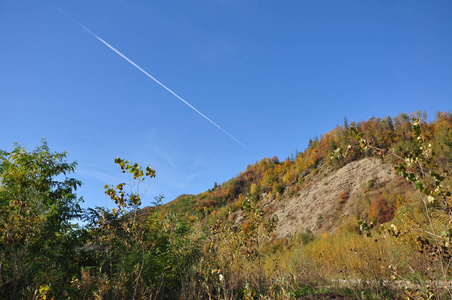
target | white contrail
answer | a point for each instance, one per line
(150, 76)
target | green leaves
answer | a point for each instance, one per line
(132, 198)
(134, 169)
(366, 226)
(38, 206)
(150, 172)
(140, 254)
(418, 185)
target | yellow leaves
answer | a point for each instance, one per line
(41, 293)
(215, 271)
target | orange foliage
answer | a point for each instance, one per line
(344, 195)
(380, 210)
(272, 177)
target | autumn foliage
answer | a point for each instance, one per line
(221, 244)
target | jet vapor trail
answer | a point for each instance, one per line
(150, 76)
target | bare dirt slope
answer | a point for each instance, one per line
(326, 197)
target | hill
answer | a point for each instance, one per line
(366, 207)
(312, 192)
(365, 212)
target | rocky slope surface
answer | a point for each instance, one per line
(328, 197)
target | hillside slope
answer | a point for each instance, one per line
(321, 206)
(312, 192)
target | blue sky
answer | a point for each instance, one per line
(271, 73)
